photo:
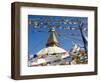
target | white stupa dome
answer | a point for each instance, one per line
(51, 50)
(52, 53)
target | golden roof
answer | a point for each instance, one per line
(52, 40)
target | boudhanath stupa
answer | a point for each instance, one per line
(52, 54)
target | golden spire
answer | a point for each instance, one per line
(52, 40)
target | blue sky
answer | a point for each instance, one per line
(38, 31)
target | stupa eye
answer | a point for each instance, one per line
(54, 54)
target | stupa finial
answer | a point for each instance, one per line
(52, 40)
